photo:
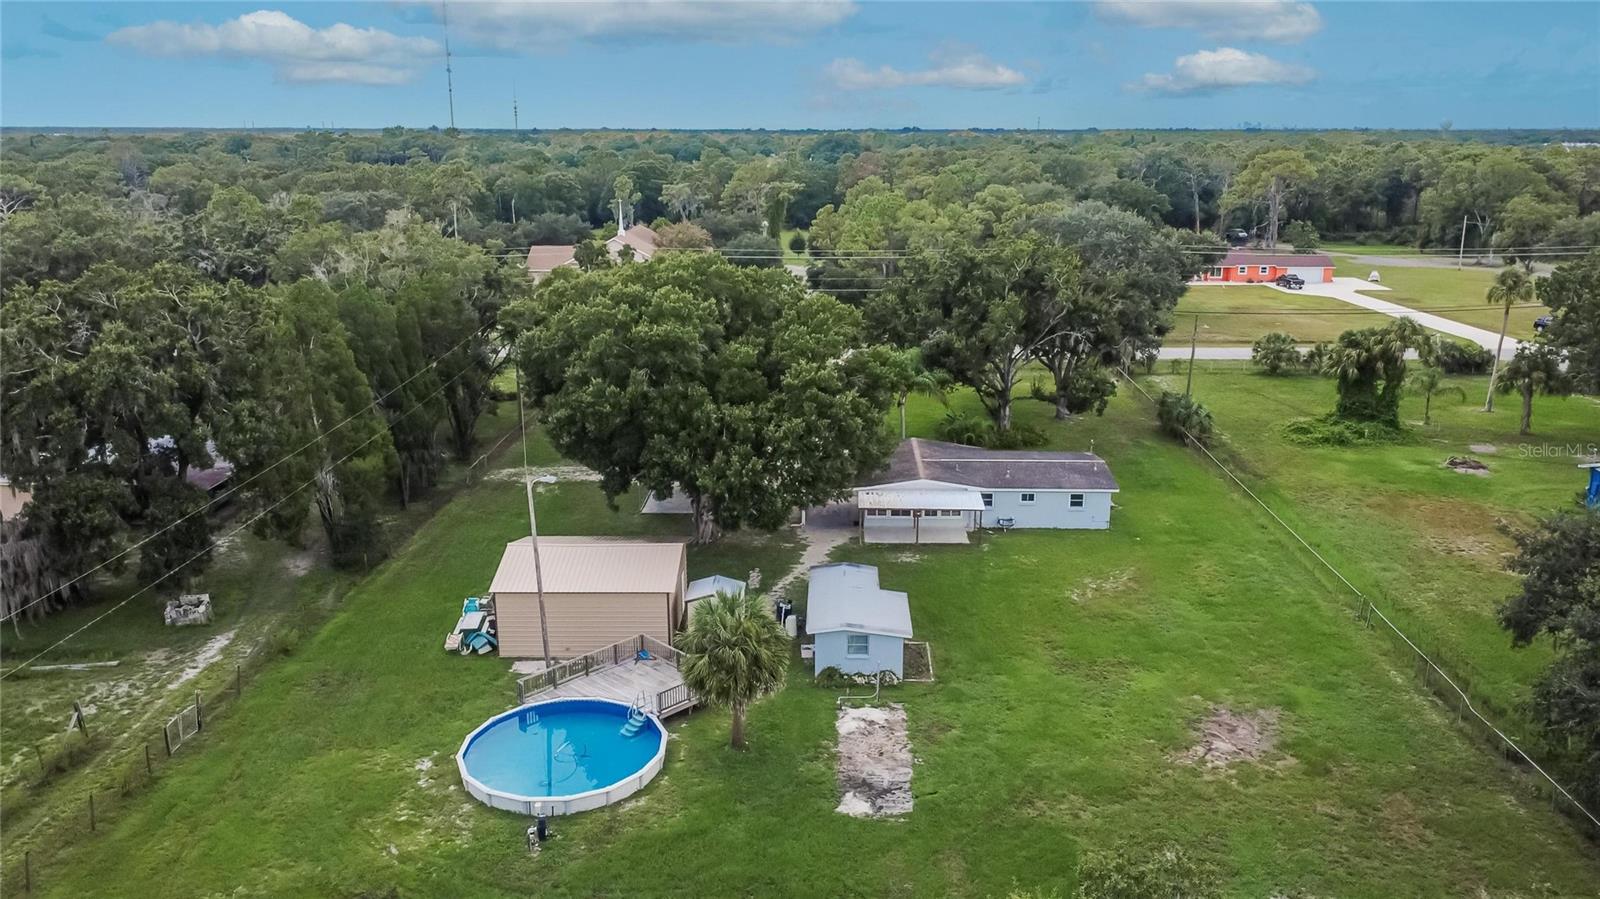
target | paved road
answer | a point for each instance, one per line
(1427, 262)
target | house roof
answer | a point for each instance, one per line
(973, 466)
(1249, 257)
(845, 596)
(706, 587)
(640, 237)
(920, 498)
(550, 258)
(590, 565)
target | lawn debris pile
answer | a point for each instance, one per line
(874, 762)
(1225, 736)
(188, 609)
(1467, 465)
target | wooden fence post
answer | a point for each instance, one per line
(166, 737)
(91, 811)
(27, 871)
(77, 715)
(148, 768)
(199, 723)
(238, 681)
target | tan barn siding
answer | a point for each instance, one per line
(579, 622)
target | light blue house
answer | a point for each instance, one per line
(857, 627)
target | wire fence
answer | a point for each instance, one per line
(1449, 690)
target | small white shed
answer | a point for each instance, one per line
(706, 588)
(857, 627)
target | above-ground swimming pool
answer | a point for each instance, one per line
(565, 755)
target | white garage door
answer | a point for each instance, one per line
(1312, 274)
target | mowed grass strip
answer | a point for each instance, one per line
(1234, 316)
(1071, 668)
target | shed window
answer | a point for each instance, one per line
(1075, 501)
(988, 500)
(857, 644)
(1027, 497)
(901, 513)
(1263, 269)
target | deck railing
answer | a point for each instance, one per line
(601, 659)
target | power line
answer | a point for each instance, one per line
(1368, 605)
(215, 542)
(212, 501)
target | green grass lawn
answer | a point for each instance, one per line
(1376, 249)
(1456, 295)
(1429, 541)
(790, 257)
(1071, 668)
(1239, 315)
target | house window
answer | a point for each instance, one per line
(1216, 271)
(1262, 269)
(857, 644)
(988, 500)
(1244, 269)
(1027, 498)
(1075, 501)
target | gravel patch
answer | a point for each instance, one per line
(874, 762)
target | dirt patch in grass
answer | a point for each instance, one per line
(1110, 584)
(917, 662)
(1467, 465)
(1224, 737)
(874, 762)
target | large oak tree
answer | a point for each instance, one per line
(734, 385)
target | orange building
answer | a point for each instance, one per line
(1249, 267)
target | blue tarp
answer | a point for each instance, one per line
(1593, 497)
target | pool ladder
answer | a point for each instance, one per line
(636, 716)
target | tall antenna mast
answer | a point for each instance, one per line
(449, 79)
(514, 125)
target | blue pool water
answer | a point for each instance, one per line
(560, 748)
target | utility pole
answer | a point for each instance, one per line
(533, 526)
(1194, 339)
(449, 78)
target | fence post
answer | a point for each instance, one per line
(166, 737)
(199, 723)
(77, 714)
(148, 768)
(91, 812)
(238, 681)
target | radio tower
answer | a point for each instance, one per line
(449, 79)
(515, 127)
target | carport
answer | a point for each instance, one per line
(918, 515)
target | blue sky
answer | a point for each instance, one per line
(803, 64)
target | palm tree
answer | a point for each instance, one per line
(733, 652)
(1510, 287)
(1429, 383)
(1536, 368)
(915, 377)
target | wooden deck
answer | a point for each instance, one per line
(624, 683)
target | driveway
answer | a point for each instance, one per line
(1354, 291)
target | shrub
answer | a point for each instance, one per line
(1331, 430)
(1275, 353)
(1462, 359)
(797, 242)
(958, 427)
(1303, 235)
(1019, 437)
(754, 250)
(1184, 417)
(1316, 358)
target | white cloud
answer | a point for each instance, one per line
(297, 52)
(958, 69)
(1266, 20)
(519, 25)
(1222, 68)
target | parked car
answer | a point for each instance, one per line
(1238, 237)
(1290, 282)
(1540, 323)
